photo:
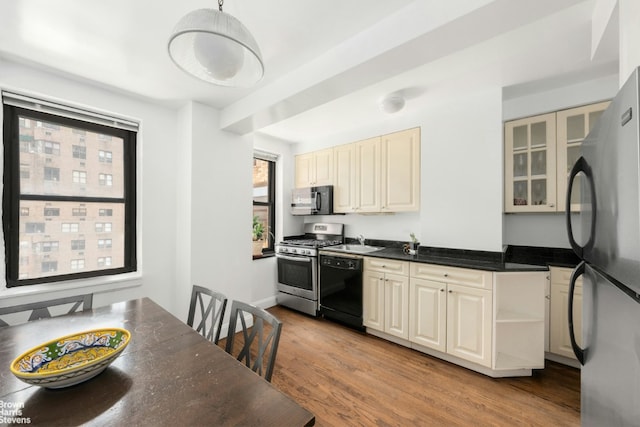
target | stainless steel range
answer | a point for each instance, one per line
(298, 265)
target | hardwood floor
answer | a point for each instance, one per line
(349, 378)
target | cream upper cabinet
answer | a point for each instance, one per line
(530, 164)
(559, 341)
(400, 171)
(314, 169)
(368, 177)
(386, 296)
(539, 153)
(344, 182)
(380, 174)
(573, 126)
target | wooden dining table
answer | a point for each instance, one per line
(167, 375)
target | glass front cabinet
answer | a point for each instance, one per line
(530, 164)
(539, 154)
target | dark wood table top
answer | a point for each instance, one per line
(168, 375)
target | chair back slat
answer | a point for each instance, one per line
(211, 316)
(259, 340)
(40, 309)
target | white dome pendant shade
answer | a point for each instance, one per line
(215, 47)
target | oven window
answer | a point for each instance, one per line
(298, 274)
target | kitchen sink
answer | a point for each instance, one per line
(357, 249)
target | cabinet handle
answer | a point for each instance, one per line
(450, 291)
(552, 205)
(441, 290)
(446, 274)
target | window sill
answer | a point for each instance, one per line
(94, 285)
(270, 254)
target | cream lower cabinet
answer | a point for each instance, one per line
(386, 296)
(460, 327)
(559, 341)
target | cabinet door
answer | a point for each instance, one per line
(396, 313)
(559, 341)
(368, 175)
(400, 155)
(530, 164)
(428, 313)
(573, 126)
(323, 165)
(469, 320)
(373, 300)
(304, 170)
(344, 181)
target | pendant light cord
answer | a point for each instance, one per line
(220, 3)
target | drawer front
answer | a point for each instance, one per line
(453, 275)
(385, 265)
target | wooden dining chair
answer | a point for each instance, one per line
(40, 309)
(259, 340)
(210, 317)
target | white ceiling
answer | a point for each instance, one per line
(327, 62)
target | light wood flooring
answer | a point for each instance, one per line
(349, 378)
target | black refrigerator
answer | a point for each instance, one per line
(608, 243)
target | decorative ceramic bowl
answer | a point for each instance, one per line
(71, 359)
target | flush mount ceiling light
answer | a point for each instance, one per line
(392, 103)
(215, 47)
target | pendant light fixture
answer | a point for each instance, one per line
(215, 47)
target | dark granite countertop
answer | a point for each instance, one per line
(515, 258)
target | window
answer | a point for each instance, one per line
(77, 264)
(79, 177)
(264, 172)
(70, 227)
(51, 148)
(105, 179)
(51, 174)
(49, 266)
(33, 131)
(34, 227)
(79, 152)
(105, 156)
(103, 227)
(51, 211)
(46, 246)
(77, 245)
(104, 243)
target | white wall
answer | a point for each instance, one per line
(548, 229)
(461, 174)
(156, 189)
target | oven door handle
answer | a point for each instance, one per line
(294, 258)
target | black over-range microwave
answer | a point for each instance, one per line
(312, 200)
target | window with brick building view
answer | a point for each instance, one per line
(264, 199)
(70, 189)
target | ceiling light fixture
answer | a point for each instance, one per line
(392, 103)
(215, 47)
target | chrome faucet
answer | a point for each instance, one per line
(361, 239)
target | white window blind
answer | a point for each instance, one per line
(264, 155)
(51, 107)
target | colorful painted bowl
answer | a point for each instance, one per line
(71, 359)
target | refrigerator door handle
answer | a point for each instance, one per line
(579, 352)
(581, 165)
